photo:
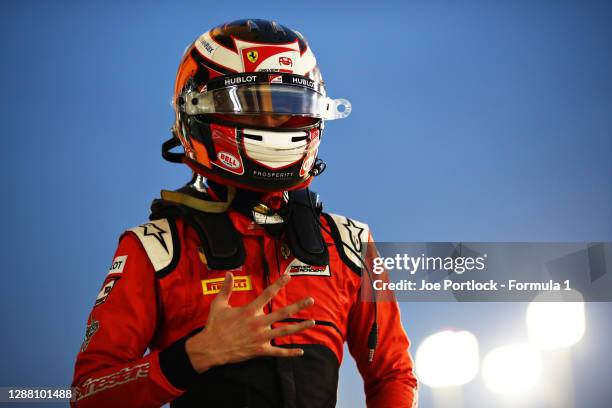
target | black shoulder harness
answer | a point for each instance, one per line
(303, 229)
(222, 245)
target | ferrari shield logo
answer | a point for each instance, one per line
(253, 56)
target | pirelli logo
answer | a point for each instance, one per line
(241, 283)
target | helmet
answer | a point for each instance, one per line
(250, 106)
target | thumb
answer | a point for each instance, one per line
(226, 290)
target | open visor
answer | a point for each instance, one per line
(265, 93)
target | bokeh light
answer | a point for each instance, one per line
(555, 325)
(447, 358)
(512, 369)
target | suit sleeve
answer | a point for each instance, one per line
(388, 379)
(111, 367)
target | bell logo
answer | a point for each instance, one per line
(229, 160)
(212, 286)
(253, 56)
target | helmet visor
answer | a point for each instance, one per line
(298, 96)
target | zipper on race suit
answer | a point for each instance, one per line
(266, 270)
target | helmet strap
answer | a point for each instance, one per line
(170, 156)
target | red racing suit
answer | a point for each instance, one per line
(158, 292)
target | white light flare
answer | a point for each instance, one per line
(512, 369)
(556, 325)
(447, 358)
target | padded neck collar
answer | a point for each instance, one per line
(221, 242)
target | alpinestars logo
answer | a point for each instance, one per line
(354, 233)
(152, 230)
(95, 385)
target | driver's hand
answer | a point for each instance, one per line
(234, 334)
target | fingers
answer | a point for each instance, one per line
(288, 329)
(287, 311)
(226, 290)
(269, 292)
(284, 352)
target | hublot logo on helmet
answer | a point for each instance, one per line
(240, 80)
(304, 82)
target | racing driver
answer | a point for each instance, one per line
(240, 291)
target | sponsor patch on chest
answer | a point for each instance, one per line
(297, 267)
(212, 286)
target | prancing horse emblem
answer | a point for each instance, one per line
(253, 56)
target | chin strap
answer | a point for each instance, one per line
(169, 145)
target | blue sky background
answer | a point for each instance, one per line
(482, 121)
